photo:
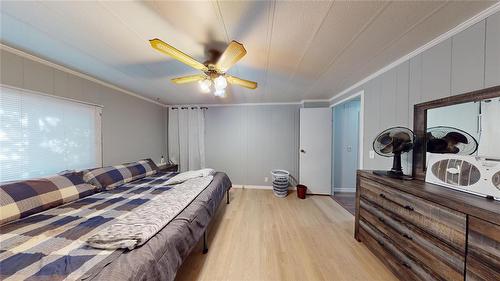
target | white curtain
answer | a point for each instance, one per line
(186, 137)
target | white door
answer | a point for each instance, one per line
(315, 149)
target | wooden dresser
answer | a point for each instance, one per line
(423, 231)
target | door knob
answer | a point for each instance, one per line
(302, 151)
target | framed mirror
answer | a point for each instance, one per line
(466, 124)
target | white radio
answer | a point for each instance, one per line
(477, 175)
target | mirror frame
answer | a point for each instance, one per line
(420, 122)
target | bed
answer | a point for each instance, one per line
(30, 246)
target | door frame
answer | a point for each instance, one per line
(361, 95)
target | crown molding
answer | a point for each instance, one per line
(234, 104)
(302, 102)
(313, 100)
(74, 72)
(450, 33)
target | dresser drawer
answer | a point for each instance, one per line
(395, 265)
(445, 224)
(434, 256)
(483, 250)
(398, 262)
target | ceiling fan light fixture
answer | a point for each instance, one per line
(214, 70)
(220, 93)
(220, 83)
(205, 85)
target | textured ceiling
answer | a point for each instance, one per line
(296, 50)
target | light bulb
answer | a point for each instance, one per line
(220, 83)
(220, 93)
(205, 85)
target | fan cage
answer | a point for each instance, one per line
(377, 146)
(442, 131)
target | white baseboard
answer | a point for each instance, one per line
(267, 187)
(344, 190)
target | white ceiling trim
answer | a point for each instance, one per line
(302, 102)
(457, 29)
(76, 73)
(235, 104)
(314, 100)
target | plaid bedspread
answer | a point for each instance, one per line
(52, 245)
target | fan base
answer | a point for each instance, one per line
(392, 174)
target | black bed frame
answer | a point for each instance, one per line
(205, 242)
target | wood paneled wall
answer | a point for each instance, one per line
(468, 61)
(247, 142)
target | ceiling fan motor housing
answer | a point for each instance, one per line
(212, 57)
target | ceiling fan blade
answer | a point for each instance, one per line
(233, 53)
(188, 79)
(176, 54)
(241, 82)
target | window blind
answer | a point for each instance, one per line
(42, 135)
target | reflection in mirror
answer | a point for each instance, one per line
(470, 128)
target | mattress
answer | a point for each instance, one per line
(51, 245)
(162, 255)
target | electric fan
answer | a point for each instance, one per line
(392, 143)
(449, 140)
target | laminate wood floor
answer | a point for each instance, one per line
(346, 200)
(261, 237)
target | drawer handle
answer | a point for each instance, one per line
(381, 219)
(407, 207)
(380, 243)
(406, 265)
(397, 220)
(407, 236)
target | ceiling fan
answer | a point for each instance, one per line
(214, 69)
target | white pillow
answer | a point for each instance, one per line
(182, 177)
(207, 172)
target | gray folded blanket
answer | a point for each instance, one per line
(143, 223)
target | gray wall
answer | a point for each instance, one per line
(247, 142)
(468, 61)
(132, 128)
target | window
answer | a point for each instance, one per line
(42, 135)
